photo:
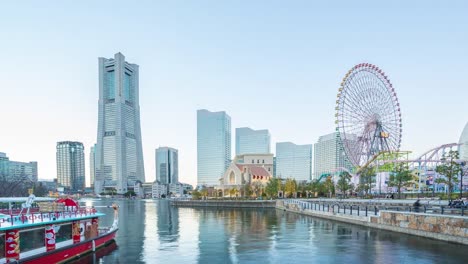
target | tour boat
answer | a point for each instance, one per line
(55, 231)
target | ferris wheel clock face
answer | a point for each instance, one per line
(368, 116)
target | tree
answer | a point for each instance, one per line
(329, 186)
(14, 187)
(450, 169)
(196, 195)
(39, 190)
(204, 192)
(290, 187)
(343, 184)
(401, 177)
(271, 188)
(257, 188)
(129, 194)
(232, 192)
(365, 179)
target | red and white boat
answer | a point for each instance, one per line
(58, 231)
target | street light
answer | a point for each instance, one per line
(463, 163)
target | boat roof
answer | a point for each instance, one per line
(24, 199)
(63, 217)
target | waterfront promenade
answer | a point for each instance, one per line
(398, 216)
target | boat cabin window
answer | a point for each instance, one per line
(32, 239)
(64, 233)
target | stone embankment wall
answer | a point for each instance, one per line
(224, 203)
(442, 227)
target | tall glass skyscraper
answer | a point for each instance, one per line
(213, 146)
(70, 165)
(294, 161)
(119, 153)
(167, 165)
(329, 156)
(249, 141)
(92, 165)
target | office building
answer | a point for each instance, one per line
(329, 156)
(167, 165)
(294, 161)
(92, 166)
(17, 170)
(213, 146)
(249, 141)
(70, 165)
(119, 153)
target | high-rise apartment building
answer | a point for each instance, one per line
(464, 142)
(119, 153)
(249, 141)
(167, 165)
(213, 146)
(294, 161)
(92, 165)
(17, 170)
(329, 156)
(70, 165)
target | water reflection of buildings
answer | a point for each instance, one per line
(213, 240)
(231, 236)
(167, 222)
(131, 231)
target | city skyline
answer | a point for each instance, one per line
(296, 64)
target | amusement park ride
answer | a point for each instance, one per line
(369, 126)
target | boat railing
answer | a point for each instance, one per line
(17, 211)
(39, 217)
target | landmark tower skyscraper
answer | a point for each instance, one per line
(119, 153)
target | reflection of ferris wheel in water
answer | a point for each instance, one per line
(368, 114)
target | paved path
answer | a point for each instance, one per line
(384, 201)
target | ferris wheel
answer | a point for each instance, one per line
(368, 116)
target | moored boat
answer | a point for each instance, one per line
(55, 231)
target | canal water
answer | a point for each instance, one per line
(151, 231)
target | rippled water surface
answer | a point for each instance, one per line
(154, 232)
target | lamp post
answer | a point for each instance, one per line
(463, 163)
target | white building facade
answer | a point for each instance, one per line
(159, 190)
(294, 161)
(329, 156)
(252, 169)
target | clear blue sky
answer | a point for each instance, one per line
(269, 64)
